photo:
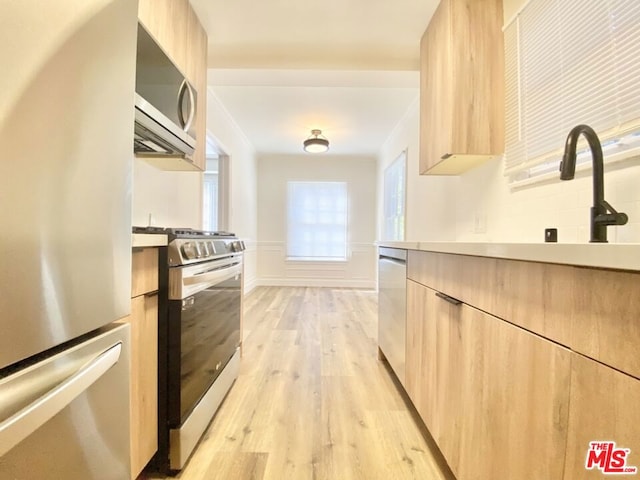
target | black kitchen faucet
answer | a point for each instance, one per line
(602, 214)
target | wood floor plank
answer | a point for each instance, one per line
(312, 400)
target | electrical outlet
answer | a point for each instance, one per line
(480, 223)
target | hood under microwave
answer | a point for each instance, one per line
(165, 109)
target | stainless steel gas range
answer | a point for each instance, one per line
(199, 335)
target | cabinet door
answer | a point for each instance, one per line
(436, 105)
(420, 373)
(461, 86)
(516, 403)
(197, 74)
(439, 363)
(144, 381)
(604, 408)
(166, 21)
(606, 313)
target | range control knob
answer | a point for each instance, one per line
(189, 250)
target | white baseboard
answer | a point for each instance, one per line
(314, 282)
(250, 284)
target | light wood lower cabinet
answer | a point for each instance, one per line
(516, 402)
(535, 362)
(144, 381)
(605, 406)
(420, 374)
(143, 403)
(494, 396)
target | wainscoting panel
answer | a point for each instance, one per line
(357, 271)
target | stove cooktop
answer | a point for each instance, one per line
(184, 232)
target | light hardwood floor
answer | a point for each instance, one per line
(312, 400)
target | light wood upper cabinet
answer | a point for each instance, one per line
(167, 22)
(461, 87)
(604, 407)
(196, 71)
(177, 29)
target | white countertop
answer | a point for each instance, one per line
(620, 256)
(148, 240)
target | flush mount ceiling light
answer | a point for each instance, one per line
(316, 143)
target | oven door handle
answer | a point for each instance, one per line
(212, 277)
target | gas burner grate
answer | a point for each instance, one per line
(183, 232)
(150, 230)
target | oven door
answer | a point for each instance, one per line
(207, 322)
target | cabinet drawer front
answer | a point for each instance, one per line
(535, 296)
(606, 317)
(144, 271)
(592, 311)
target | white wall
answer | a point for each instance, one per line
(173, 199)
(431, 201)
(242, 181)
(360, 174)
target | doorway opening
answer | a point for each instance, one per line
(215, 188)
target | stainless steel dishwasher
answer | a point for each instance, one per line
(392, 307)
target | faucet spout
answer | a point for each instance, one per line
(602, 214)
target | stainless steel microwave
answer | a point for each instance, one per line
(165, 107)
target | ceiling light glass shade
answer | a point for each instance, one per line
(316, 143)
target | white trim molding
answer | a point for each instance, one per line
(357, 271)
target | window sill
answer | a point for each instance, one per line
(315, 260)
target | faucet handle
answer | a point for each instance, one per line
(612, 218)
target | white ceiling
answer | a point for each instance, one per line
(284, 67)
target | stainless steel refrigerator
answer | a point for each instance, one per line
(66, 136)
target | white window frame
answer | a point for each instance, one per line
(210, 201)
(395, 199)
(292, 250)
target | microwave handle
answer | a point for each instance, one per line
(186, 88)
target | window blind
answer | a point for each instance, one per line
(569, 62)
(317, 220)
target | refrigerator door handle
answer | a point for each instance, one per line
(28, 419)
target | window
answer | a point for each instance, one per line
(210, 195)
(317, 220)
(394, 198)
(210, 199)
(570, 62)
